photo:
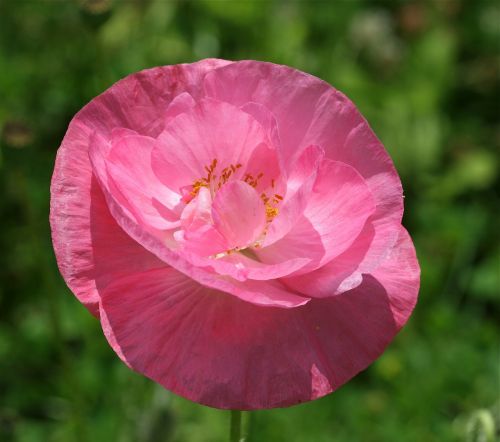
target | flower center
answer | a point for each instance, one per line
(214, 182)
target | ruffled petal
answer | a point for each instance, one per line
(137, 103)
(239, 214)
(212, 130)
(128, 165)
(185, 337)
(300, 182)
(336, 213)
(290, 95)
(240, 267)
(340, 274)
(346, 136)
(310, 111)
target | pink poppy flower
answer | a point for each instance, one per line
(236, 226)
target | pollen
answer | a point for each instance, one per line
(271, 211)
(205, 181)
(212, 181)
(271, 204)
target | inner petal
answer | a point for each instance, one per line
(193, 139)
(239, 214)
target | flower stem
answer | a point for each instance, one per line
(235, 428)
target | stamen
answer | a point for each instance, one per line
(211, 182)
(270, 205)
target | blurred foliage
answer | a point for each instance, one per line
(424, 73)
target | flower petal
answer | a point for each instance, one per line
(290, 95)
(310, 111)
(336, 213)
(182, 103)
(340, 274)
(241, 268)
(136, 102)
(216, 350)
(212, 130)
(239, 214)
(129, 167)
(299, 186)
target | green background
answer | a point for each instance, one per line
(426, 76)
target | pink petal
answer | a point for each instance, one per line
(129, 166)
(268, 121)
(203, 240)
(212, 130)
(241, 268)
(290, 95)
(239, 214)
(182, 103)
(400, 274)
(336, 213)
(198, 211)
(264, 162)
(216, 350)
(340, 274)
(83, 228)
(136, 102)
(299, 186)
(346, 136)
(266, 293)
(310, 111)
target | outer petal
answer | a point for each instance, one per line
(219, 351)
(346, 136)
(289, 94)
(136, 102)
(336, 212)
(400, 274)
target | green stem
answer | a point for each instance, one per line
(235, 430)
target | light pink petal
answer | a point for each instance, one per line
(239, 214)
(216, 350)
(136, 103)
(265, 293)
(198, 211)
(310, 111)
(266, 119)
(335, 215)
(241, 268)
(263, 165)
(346, 136)
(340, 274)
(290, 95)
(199, 236)
(83, 229)
(203, 240)
(400, 275)
(212, 130)
(299, 186)
(180, 104)
(129, 167)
